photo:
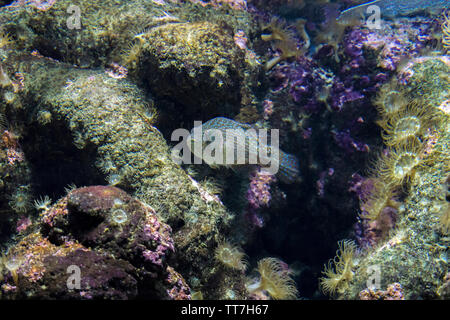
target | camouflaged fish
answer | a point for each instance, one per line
(396, 8)
(244, 138)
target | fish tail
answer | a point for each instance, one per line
(289, 170)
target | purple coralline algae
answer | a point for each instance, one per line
(258, 196)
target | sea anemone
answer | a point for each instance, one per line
(130, 55)
(12, 263)
(382, 196)
(5, 39)
(274, 279)
(283, 40)
(231, 256)
(20, 200)
(43, 204)
(336, 279)
(278, 31)
(390, 100)
(118, 217)
(114, 179)
(409, 122)
(398, 165)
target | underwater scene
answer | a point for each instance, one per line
(224, 149)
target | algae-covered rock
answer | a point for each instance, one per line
(97, 242)
(188, 51)
(41, 270)
(415, 253)
(102, 131)
(197, 64)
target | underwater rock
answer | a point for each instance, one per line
(414, 254)
(110, 122)
(127, 257)
(178, 55)
(196, 64)
(107, 218)
(43, 271)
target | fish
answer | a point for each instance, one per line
(244, 138)
(395, 8)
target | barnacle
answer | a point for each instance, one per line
(399, 164)
(409, 122)
(231, 256)
(275, 279)
(336, 279)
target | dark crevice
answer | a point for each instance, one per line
(56, 162)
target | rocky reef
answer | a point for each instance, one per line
(91, 92)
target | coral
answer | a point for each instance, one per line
(393, 292)
(275, 279)
(108, 210)
(125, 143)
(336, 278)
(180, 289)
(230, 256)
(258, 193)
